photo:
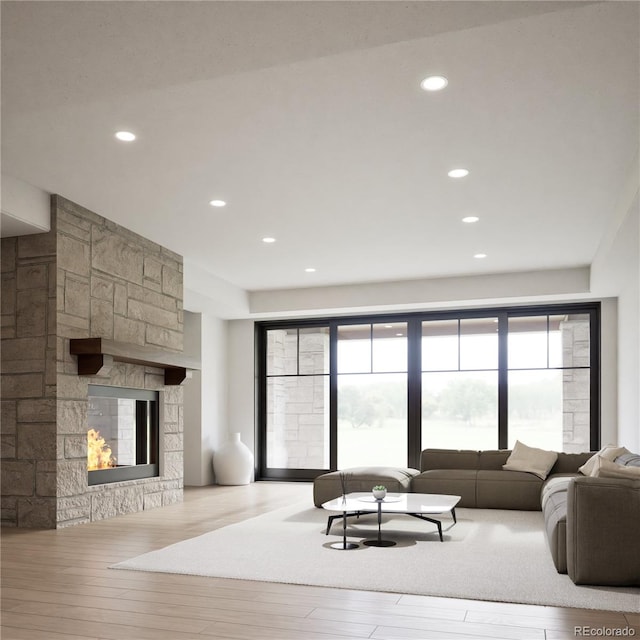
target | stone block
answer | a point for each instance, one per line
(102, 289)
(37, 513)
(36, 410)
(8, 327)
(25, 385)
(37, 245)
(82, 502)
(172, 496)
(36, 441)
(120, 299)
(116, 256)
(174, 442)
(152, 269)
(76, 297)
(50, 369)
(128, 500)
(24, 348)
(101, 318)
(102, 505)
(72, 386)
(71, 230)
(53, 280)
(173, 395)
(72, 417)
(170, 412)
(9, 254)
(75, 447)
(152, 285)
(77, 508)
(23, 366)
(173, 465)
(74, 256)
(72, 477)
(8, 415)
(171, 282)
(152, 315)
(8, 300)
(8, 446)
(32, 306)
(166, 338)
(73, 212)
(134, 376)
(127, 330)
(153, 380)
(33, 276)
(18, 478)
(152, 500)
(46, 476)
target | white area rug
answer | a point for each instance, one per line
(489, 555)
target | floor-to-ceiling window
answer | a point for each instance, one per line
(372, 394)
(376, 390)
(460, 383)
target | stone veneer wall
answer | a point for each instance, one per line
(102, 280)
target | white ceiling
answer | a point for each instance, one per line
(307, 117)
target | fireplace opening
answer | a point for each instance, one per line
(122, 435)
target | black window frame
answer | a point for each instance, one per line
(414, 374)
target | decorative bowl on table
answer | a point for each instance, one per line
(379, 492)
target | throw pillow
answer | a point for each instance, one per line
(530, 460)
(606, 469)
(610, 452)
(628, 460)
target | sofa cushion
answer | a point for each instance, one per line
(493, 459)
(610, 452)
(328, 485)
(555, 484)
(570, 462)
(605, 469)
(448, 459)
(554, 509)
(531, 460)
(458, 482)
(508, 490)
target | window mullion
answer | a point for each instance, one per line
(503, 381)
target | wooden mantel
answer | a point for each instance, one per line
(91, 354)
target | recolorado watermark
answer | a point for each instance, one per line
(604, 632)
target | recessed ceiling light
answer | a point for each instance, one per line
(434, 83)
(388, 326)
(480, 255)
(470, 219)
(458, 173)
(399, 334)
(217, 203)
(126, 136)
(310, 269)
(268, 240)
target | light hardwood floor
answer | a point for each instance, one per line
(56, 585)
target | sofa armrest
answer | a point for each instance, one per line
(603, 531)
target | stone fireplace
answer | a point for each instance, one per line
(88, 278)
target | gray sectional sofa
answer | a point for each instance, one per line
(592, 524)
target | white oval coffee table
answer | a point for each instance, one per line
(417, 505)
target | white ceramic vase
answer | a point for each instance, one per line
(233, 462)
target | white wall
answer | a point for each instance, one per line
(206, 421)
(615, 271)
(242, 380)
(25, 209)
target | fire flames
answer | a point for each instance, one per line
(99, 455)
